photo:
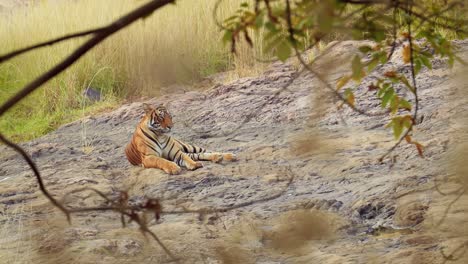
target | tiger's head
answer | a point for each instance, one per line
(158, 119)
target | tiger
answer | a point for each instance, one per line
(151, 147)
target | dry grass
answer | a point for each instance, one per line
(177, 44)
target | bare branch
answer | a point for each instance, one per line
(215, 15)
(15, 53)
(451, 256)
(461, 191)
(33, 167)
(394, 33)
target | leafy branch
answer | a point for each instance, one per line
(290, 27)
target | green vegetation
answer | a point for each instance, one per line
(179, 43)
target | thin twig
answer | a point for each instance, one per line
(451, 256)
(415, 89)
(461, 191)
(37, 174)
(153, 235)
(394, 33)
(215, 15)
(51, 42)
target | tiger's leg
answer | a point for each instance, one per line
(174, 153)
(197, 153)
(212, 156)
(151, 161)
(188, 162)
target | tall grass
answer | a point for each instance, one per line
(179, 43)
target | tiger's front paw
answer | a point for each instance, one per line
(229, 157)
(172, 168)
(195, 165)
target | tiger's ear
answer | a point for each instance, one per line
(148, 108)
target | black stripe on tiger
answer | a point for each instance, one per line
(167, 142)
(151, 138)
(184, 146)
(178, 157)
(155, 150)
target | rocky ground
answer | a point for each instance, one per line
(343, 206)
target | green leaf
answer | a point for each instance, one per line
(372, 64)
(394, 103)
(405, 104)
(378, 35)
(283, 51)
(271, 26)
(425, 60)
(422, 34)
(357, 68)
(397, 127)
(259, 21)
(245, 5)
(406, 83)
(384, 88)
(417, 66)
(231, 18)
(365, 49)
(342, 82)
(349, 96)
(407, 121)
(387, 96)
(383, 57)
(227, 36)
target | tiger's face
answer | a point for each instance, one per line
(158, 119)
